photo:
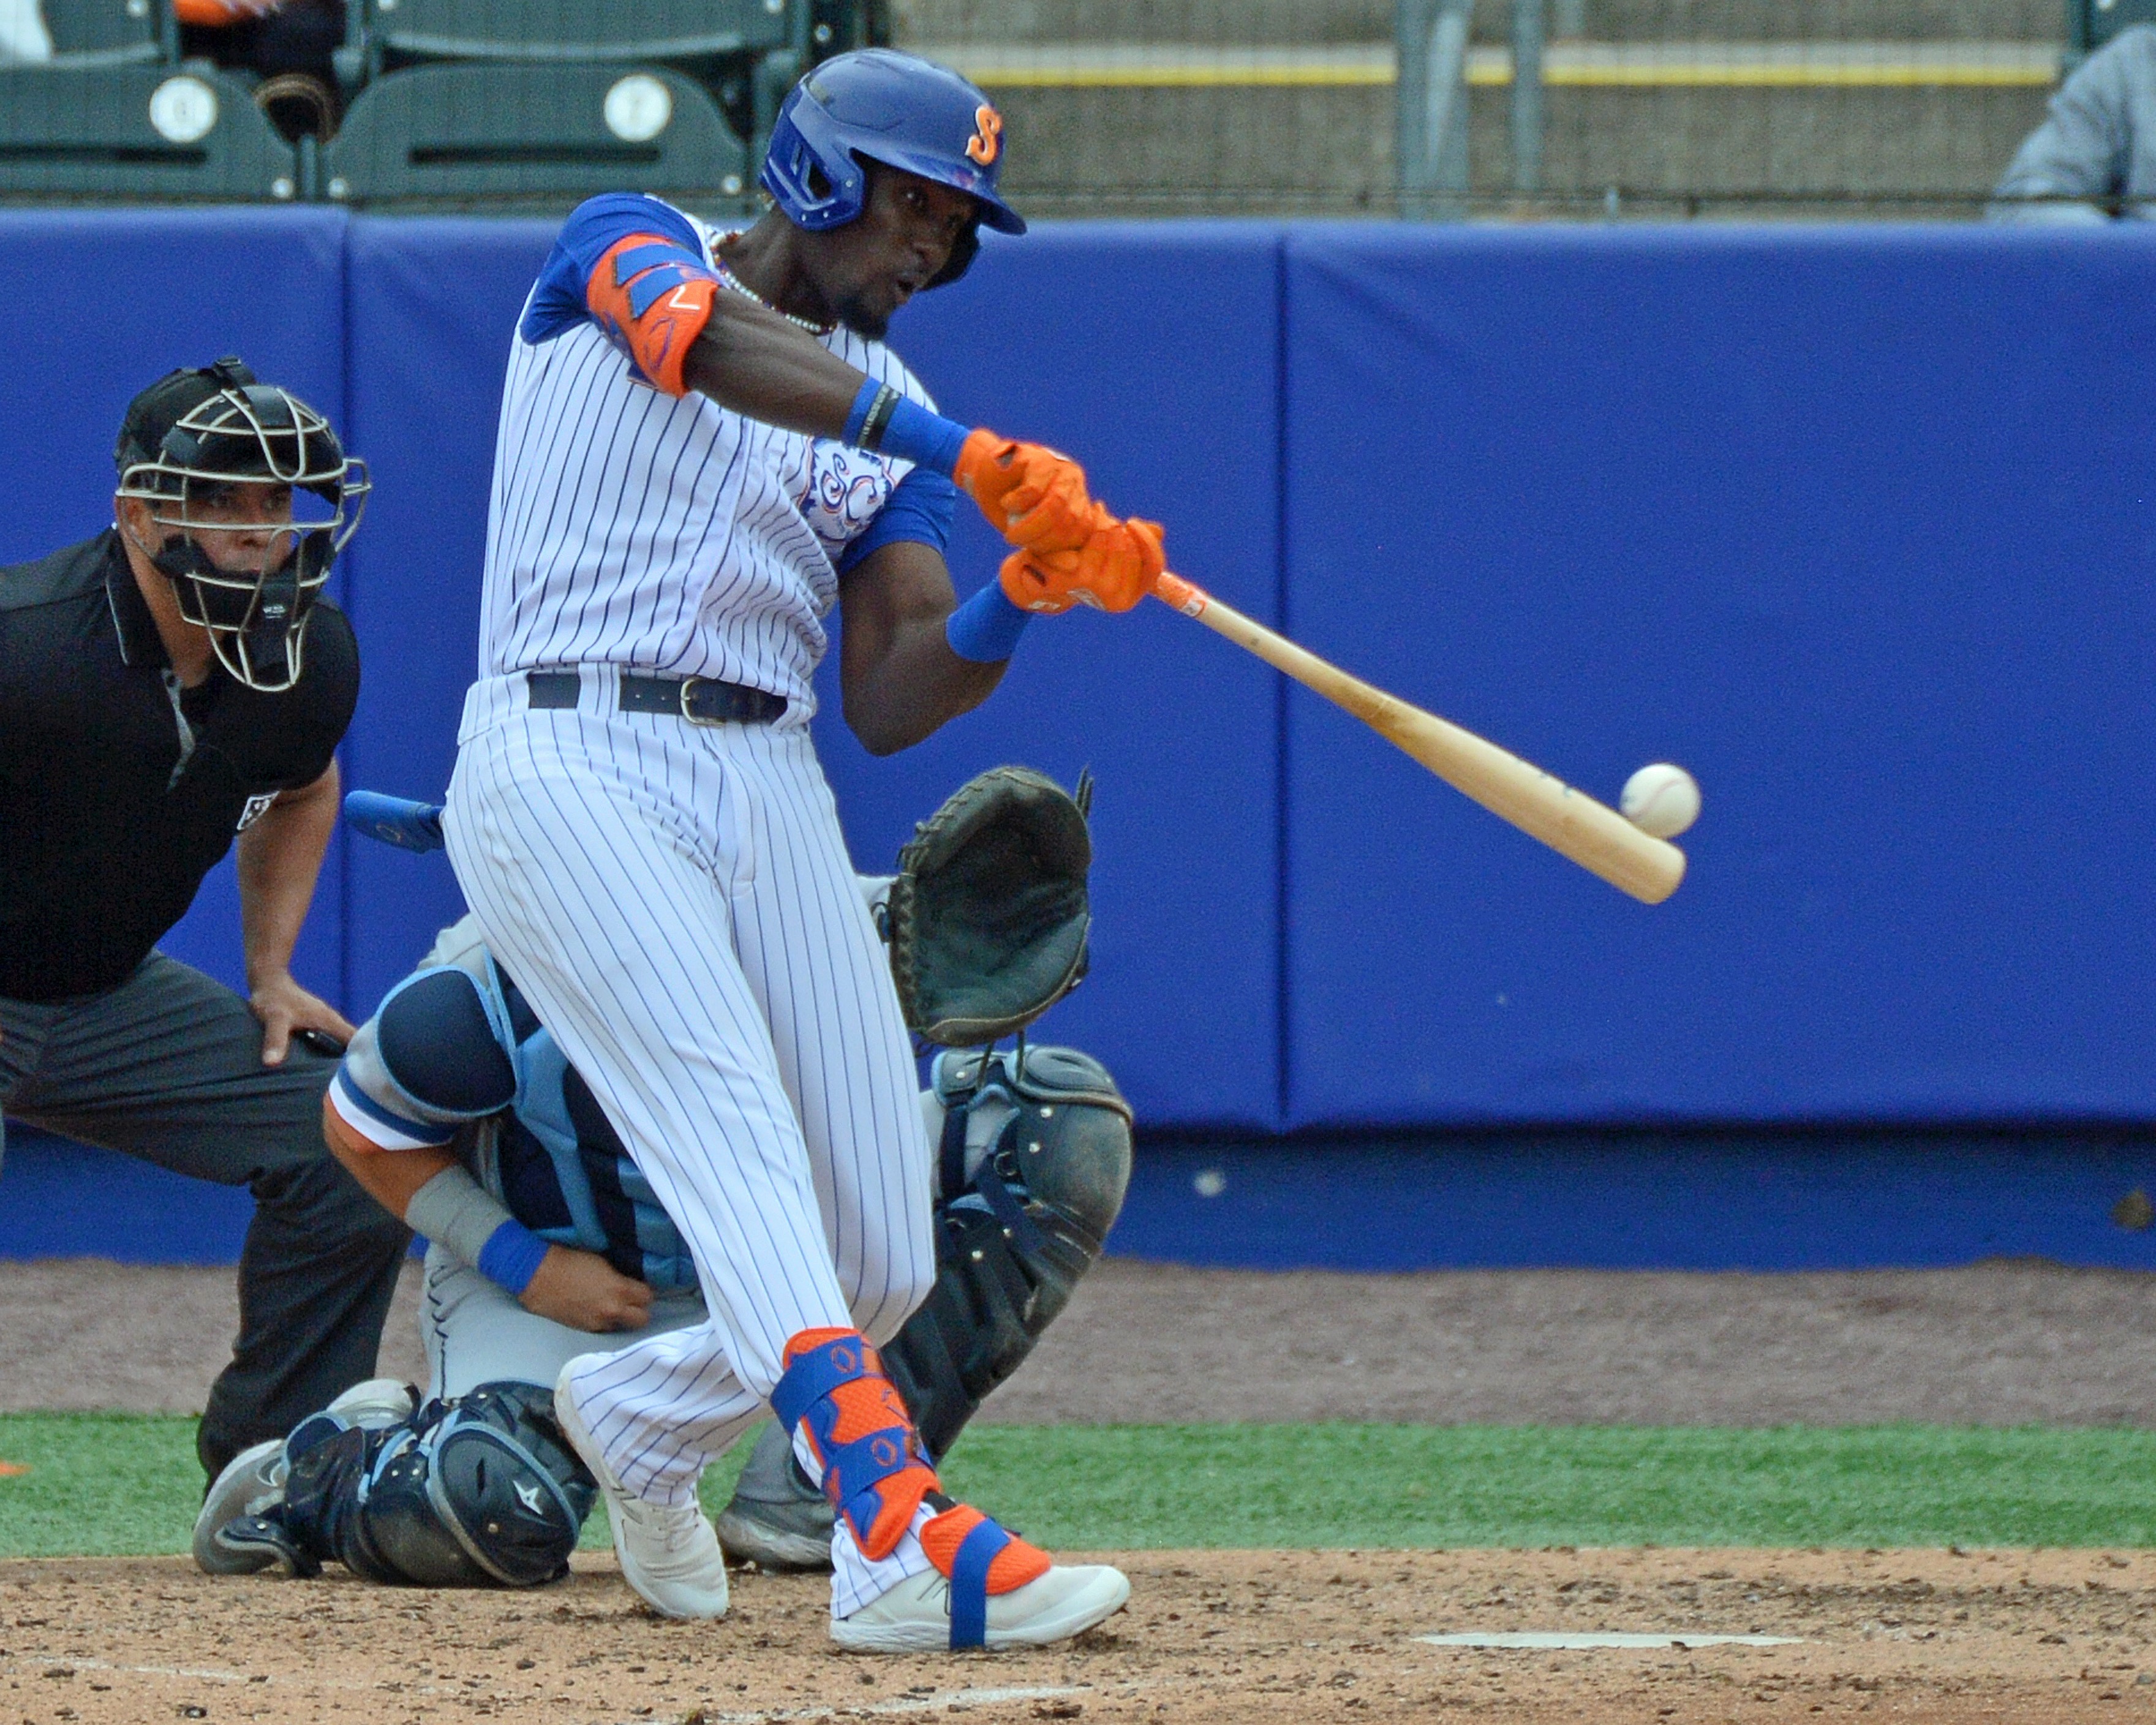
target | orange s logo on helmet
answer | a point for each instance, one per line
(986, 141)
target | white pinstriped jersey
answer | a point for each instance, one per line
(633, 528)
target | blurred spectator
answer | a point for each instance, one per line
(2095, 157)
(286, 43)
(22, 33)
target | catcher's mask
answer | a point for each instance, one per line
(189, 442)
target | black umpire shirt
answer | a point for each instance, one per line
(118, 790)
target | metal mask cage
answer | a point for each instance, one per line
(260, 435)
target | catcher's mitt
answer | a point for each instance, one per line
(988, 915)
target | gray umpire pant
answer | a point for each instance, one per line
(169, 1067)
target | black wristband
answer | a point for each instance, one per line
(878, 419)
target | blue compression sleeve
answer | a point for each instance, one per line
(512, 1256)
(986, 628)
(886, 423)
(917, 512)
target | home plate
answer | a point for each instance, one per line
(1554, 1638)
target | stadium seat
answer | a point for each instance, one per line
(105, 32)
(637, 31)
(545, 135)
(2093, 23)
(137, 132)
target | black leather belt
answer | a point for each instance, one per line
(701, 700)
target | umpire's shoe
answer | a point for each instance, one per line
(669, 1553)
(776, 1519)
(253, 1481)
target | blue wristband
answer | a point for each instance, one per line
(512, 1256)
(884, 423)
(864, 404)
(986, 628)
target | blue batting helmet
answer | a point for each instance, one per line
(879, 105)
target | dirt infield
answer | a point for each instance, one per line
(1918, 1637)
(1998, 1343)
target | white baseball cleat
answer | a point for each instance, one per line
(914, 1616)
(669, 1553)
(251, 1481)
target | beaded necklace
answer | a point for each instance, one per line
(735, 282)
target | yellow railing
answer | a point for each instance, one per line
(1655, 65)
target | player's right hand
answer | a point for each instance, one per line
(582, 1290)
(1033, 496)
(1112, 571)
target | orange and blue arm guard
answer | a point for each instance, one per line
(651, 297)
(632, 267)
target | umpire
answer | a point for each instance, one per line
(173, 682)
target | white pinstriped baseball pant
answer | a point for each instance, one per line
(676, 902)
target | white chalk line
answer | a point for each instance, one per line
(210, 1674)
(903, 1704)
(1555, 1640)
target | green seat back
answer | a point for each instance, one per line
(137, 133)
(576, 29)
(545, 135)
(87, 32)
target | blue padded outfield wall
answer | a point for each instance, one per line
(1855, 522)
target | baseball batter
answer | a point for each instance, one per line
(704, 446)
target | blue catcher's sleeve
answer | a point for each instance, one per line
(562, 299)
(917, 512)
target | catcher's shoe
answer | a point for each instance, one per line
(252, 1482)
(915, 1616)
(776, 1519)
(669, 1553)
(264, 1542)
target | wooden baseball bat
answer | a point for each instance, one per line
(1570, 822)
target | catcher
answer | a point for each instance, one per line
(456, 1109)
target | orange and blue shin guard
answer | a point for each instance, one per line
(875, 1472)
(877, 1476)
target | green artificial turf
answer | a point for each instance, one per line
(103, 1484)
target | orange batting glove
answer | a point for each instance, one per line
(1033, 496)
(1112, 571)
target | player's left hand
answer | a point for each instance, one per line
(284, 1006)
(1112, 571)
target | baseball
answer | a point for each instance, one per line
(1661, 799)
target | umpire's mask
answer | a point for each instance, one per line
(256, 497)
